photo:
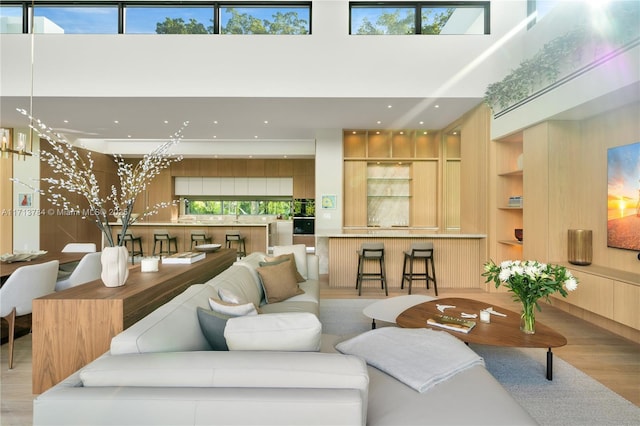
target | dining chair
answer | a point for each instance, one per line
(79, 248)
(65, 270)
(17, 293)
(88, 269)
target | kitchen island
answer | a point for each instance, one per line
(259, 236)
(458, 257)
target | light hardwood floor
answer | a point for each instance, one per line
(608, 358)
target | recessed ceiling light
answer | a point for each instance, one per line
(255, 137)
(422, 122)
(65, 121)
(128, 136)
(284, 156)
(215, 121)
(266, 121)
(116, 121)
(379, 122)
(377, 133)
(214, 136)
(436, 106)
(166, 121)
(425, 132)
(401, 132)
(389, 106)
(354, 132)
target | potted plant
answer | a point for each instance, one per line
(530, 280)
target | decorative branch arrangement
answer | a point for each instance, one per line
(75, 175)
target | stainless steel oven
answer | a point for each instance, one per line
(304, 226)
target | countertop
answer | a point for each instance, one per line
(198, 224)
(393, 233)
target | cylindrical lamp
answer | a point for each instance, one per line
(580, 250)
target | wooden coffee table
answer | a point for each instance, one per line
(502, 331)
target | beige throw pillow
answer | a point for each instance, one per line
(279, 282)
(290, 259)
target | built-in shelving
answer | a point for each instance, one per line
(509, 183)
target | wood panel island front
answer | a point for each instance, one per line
(458, 257)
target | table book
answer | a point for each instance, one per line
(452, 323)
(183, 258)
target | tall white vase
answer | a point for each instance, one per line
(115, 269)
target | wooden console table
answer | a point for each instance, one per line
(73, 327)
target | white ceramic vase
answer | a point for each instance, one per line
(115, 269)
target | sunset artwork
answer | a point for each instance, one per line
(623, 201)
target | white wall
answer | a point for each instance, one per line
(329, 181)
(328, 63)
(26, 220)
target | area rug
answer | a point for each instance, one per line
(571, 398)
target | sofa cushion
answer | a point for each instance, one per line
(232, 309)
(212, 324)
(299, 252)
(291, 261)
(227, 295)
(295, 331)
(279, 282)
(240, 281)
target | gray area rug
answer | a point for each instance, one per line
(571, 398)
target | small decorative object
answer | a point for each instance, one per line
(22, 256)
(74, 174)
(529, 280)
(149, 264)
(485, 316)
(115, 269)
(579, 250)
(208, 248)
(518, 234)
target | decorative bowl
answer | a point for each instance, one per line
(22, 256)
(208, 248)
(518, 233)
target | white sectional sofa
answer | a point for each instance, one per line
(162, 371)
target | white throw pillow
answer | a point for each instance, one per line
(228, 296)
(232, 309)
(299, 253)
(286, 331)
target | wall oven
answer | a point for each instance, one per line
(304, 226)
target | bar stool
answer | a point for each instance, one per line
(419, 251)
(161, 236)
(199, 237)
(130, 238)
(367, 252)
(234, 236)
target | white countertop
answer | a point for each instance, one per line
(198, 224)
(393, 233)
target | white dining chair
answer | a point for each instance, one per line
(17, 293)
(79, 248)
(88, 269)
(65, 270)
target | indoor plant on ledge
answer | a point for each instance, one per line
(74, 174)
(529, 280)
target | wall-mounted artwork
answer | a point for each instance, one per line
(24, 199)
(623, 201)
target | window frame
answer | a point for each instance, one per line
(418, 6)
(27, 9)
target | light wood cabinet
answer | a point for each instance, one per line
(355, 193)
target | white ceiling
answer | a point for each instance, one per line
(231, 118)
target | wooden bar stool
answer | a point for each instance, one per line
(161, 236)
(419, 251)
(234, 237)
(368, 252)
(130, 238)
(199, 237)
